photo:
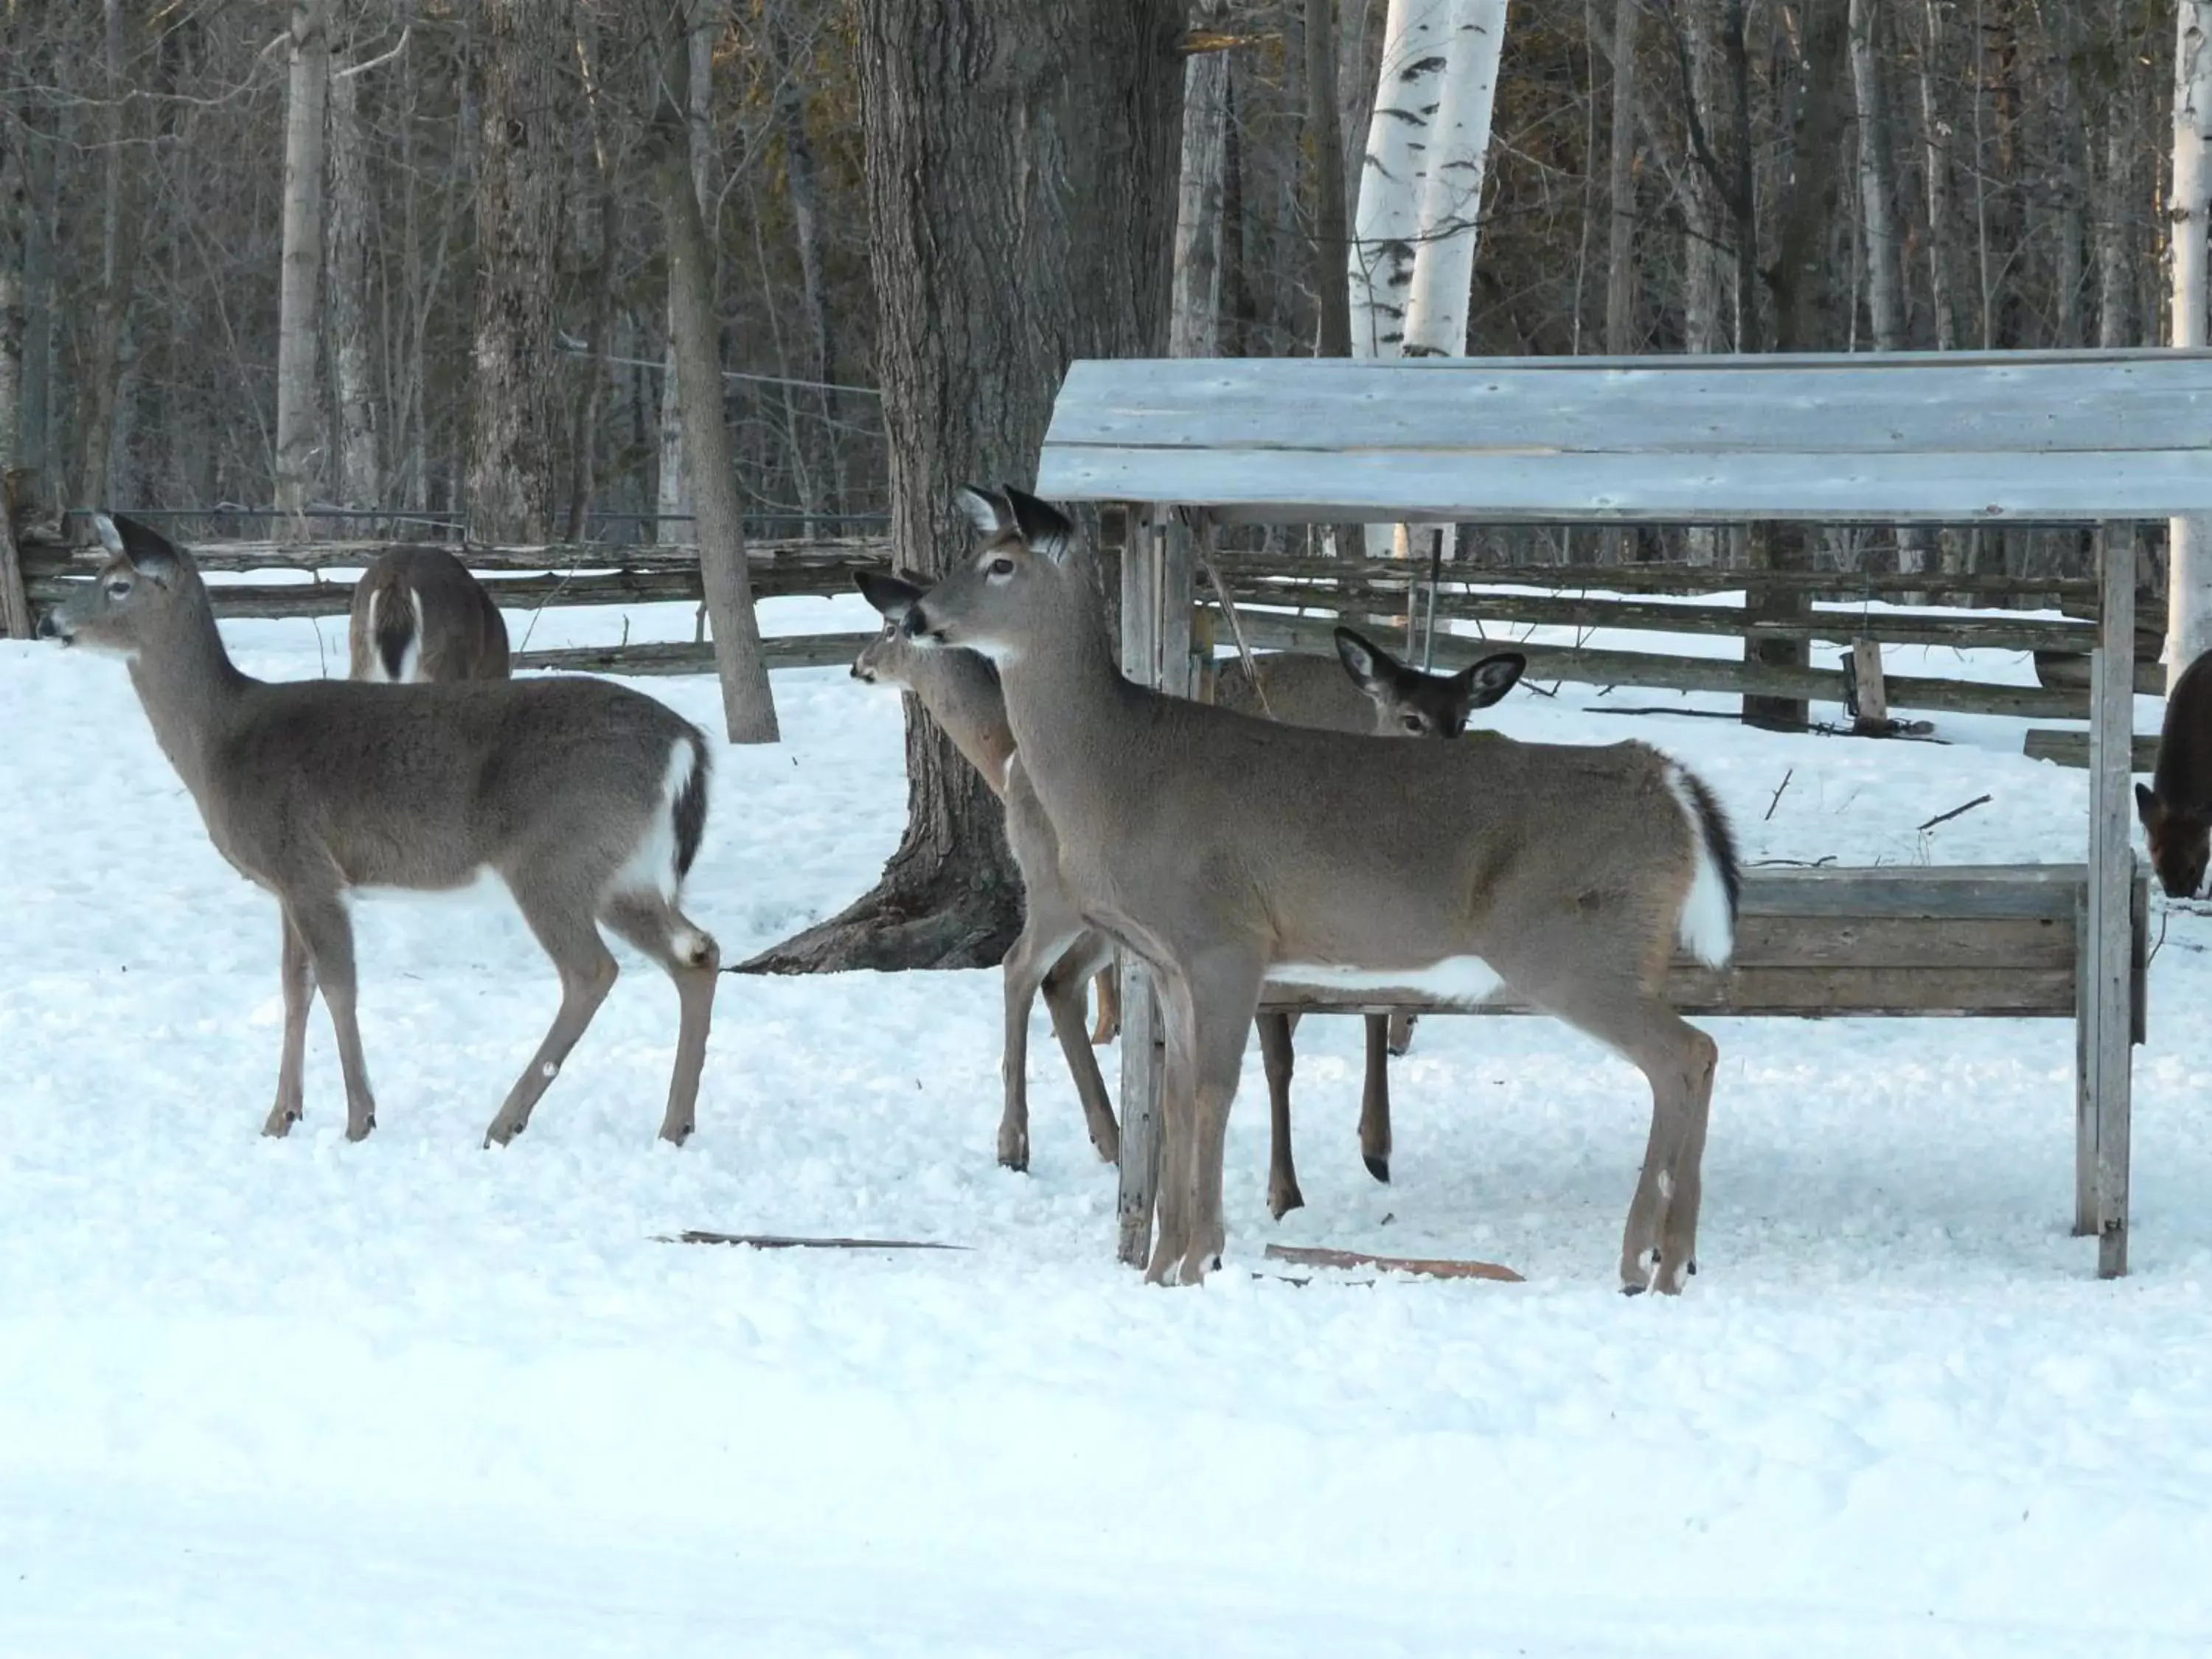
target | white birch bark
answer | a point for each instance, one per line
(299, 316)
(2189, 584)
(1409, 88)
(1451, 173)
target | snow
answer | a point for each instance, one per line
(416, 1396)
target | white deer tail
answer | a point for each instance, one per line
(1707, 918)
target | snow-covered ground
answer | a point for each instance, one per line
(415, 1397)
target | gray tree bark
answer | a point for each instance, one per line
(990, 125)
(1195, 312)
(359, 472)
(512, 421)
(299, 318)
(826, 470)
(122, 227)
(748, 707)
(704, 19)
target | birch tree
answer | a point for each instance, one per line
(2189, 582)
(298, 320)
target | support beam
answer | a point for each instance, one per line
(2107, 1045)
(1143, 1052)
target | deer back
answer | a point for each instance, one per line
(2176, 809)
(419, 615)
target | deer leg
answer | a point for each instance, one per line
(1044, 937)
(1108, 985)
(298, 975)
(1063, 1000)
(1225, 993)
(326, 931)
(1659, 1243)
(587, 973)
(1401, 1031)
(1375, 1099)
(690, 956)
(1172, 1207)
(1280, 1059)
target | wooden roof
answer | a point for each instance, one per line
(1913, 437)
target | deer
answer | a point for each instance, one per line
(587, 799)
(1366, 690)
(2175, 806)
(1227, 851)
(418, 616)
(960, 690)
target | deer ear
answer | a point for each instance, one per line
(2148, 807)
(1492, 677)
(151, 553)
(891, 596)
(1366, 661)
(985, 509)
(1043, 526)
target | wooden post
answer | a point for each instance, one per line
(1142, 1051)
(2109, 956)
(15, 608)
(1873, 718)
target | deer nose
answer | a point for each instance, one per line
(48, 630)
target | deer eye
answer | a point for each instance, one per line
(117, 588)
(1414, 723)
(1002, 565)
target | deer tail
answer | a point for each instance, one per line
(1709, 910)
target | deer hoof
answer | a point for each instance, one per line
(1014, 1151)
(1377, 1167)
(500, 1133)
(279, 1124)
(361, 1131)
(1282, 1199)
(676, 1134)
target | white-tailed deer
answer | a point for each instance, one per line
(1367, 690)
(419, 615)
(960, 690)
(586, 798)
(2176, 805)
(1226, 851)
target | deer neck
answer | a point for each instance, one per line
(1072, 715)
(962, 695)
(189, 687)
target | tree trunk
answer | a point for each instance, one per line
(358, 471)
(1451, 173)
(1937, 140)
(990, 125)
(1621, 187)
(15, 610)
(704, 19)
(122, 226)
(804, 189)
(1332, 289)
(1195, 312)
(1798, 277)
(748, 708)
(299, 318)
(37, 463)
(511, 420)
(1409, 87)
(2188, 578)
(598, 375)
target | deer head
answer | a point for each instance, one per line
(1017, 583)
(887, 659)
(148, 588)
(1426, 705)
(2180, 842)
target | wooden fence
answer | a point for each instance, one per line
(1293, 604)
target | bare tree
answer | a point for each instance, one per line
(511, 418)
(993, 124)
(299, 318)
(1195, 312)
(358, 476)
(2188, 594)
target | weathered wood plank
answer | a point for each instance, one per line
(2107, 964)
(2000, 943)
(2063, 748)
(1666, 579)
(1585, 666)
(781, 651)
(1263, 486)
(2062, 638)
(1801, 993)
(1143, 1037)
(1677, 407)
